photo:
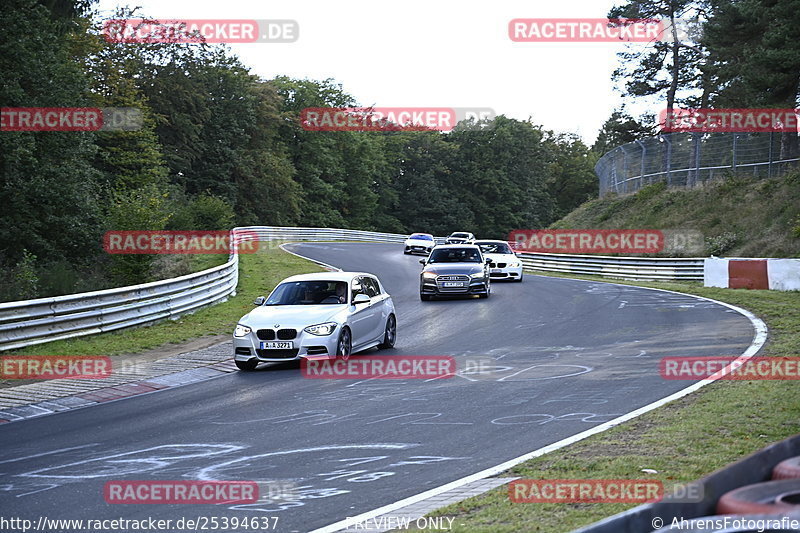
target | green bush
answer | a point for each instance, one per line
(721, 243)
(650, 191)
(20, 282)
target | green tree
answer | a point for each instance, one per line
(501, 173)
(571, 179)
(619, 129)
(755, 57)
(666, 66)
(48, 188)
(335, 170)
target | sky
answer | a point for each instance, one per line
(430, 53)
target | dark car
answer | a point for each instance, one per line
(455, 270)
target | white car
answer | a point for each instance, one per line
(505, 262)
(460, 237)
(327, 313)
(419, 243)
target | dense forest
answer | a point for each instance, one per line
(221, 147)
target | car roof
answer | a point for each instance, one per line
(493, 241)
(327, 276)
(420, 233)
(469, 246)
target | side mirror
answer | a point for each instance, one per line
(422, 261)
(488, 260)
(361, 298)
(259, 301)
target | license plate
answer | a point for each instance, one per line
(497, 271)
(452, 284)
(277, 345)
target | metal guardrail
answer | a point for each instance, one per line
(630, 268)
(30, 322)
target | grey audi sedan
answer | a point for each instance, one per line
(455, 270)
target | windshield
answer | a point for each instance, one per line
(422, 237)
(460, 235)
(455, 255)
(309, 293)
(494, 248)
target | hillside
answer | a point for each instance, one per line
(739, 216)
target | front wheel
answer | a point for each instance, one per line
(248, 365)
(344, 345)
(389, 334)
(424, 297)
(520, 277)
(488, 290)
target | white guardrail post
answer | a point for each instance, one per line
(30, 322)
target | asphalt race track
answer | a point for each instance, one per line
(568, 355)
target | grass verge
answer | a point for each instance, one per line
(682, 440)
(258, 275)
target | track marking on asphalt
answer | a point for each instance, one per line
(584, 370)
(134, 462)
(60, 450)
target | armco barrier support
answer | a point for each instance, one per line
(739, 273)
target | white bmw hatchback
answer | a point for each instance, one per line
(505, 262)
(329, 313)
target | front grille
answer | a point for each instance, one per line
(453, 278)
(497, 265)
(277, 354)
(266, 334)
(287, 334)
(283, 334)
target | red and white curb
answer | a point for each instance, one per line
(57, 395)
(763, 274)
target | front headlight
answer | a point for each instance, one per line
(321, 329)
(429, 275)
(513, 265)
(241, 331)
(476, 275)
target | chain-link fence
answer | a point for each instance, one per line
(690, 159)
